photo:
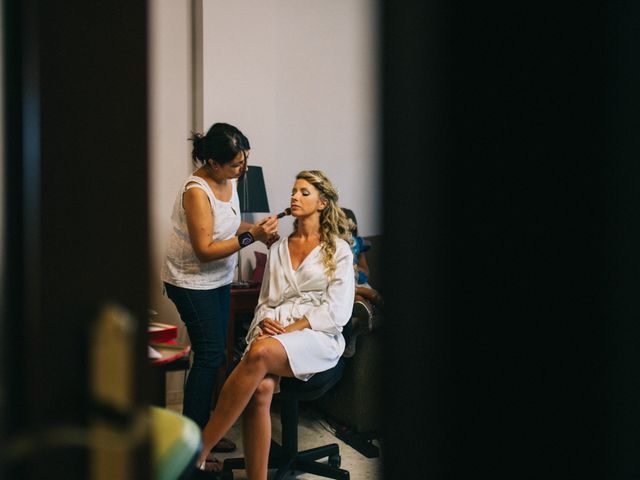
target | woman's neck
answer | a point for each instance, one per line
(209, 174)
(308, 227)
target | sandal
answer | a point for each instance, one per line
(224, 446)
(212, 466)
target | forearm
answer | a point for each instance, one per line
(299, 324)
(368, 293)
(252, 228)
(244, 227)
(363, 266)
(371, 295)
(218, 250)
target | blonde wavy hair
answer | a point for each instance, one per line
(333, 221)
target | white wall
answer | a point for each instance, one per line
(296, 76)
(169, 128)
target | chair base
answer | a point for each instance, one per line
(304, 461)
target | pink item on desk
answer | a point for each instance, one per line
(169, 352)
(161, 332)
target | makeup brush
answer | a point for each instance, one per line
(287, 211)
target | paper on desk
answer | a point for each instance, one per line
(153, 353)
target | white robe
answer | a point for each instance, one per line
(287, 295)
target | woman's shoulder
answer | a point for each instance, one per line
(277, 245)
(342, 246)
(279, 242)
(196, 181)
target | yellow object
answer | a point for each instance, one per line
(112, 386)
(175, 441)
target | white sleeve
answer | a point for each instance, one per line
(263, 310)
(337, 304)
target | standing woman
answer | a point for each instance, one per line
(305, 301)
(200, 260)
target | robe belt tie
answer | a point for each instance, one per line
(305, 298)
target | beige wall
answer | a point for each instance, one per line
(296, 76)
(169, 153)
(170, 125)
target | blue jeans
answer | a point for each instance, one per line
(206, 316)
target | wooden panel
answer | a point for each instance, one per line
(76, 75)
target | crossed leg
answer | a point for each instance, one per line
(256, 428)
(265, 357)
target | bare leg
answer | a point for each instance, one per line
(265, 356)
(256, 429)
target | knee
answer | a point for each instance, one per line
(259, 353)
(263, 394)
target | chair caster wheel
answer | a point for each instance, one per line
(335, 460)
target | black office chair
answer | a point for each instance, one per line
(286, 457)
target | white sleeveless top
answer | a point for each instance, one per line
(182, 267)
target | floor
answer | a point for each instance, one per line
(313, 431)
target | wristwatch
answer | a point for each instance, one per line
(245, 239)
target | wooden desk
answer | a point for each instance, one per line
(174, 357)
(243, 300)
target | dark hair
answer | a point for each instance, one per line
(222, 143)
(352, 216)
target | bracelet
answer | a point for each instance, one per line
(245, 239)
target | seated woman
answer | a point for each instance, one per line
(306, 298)
(368, 304)
(364, 291)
